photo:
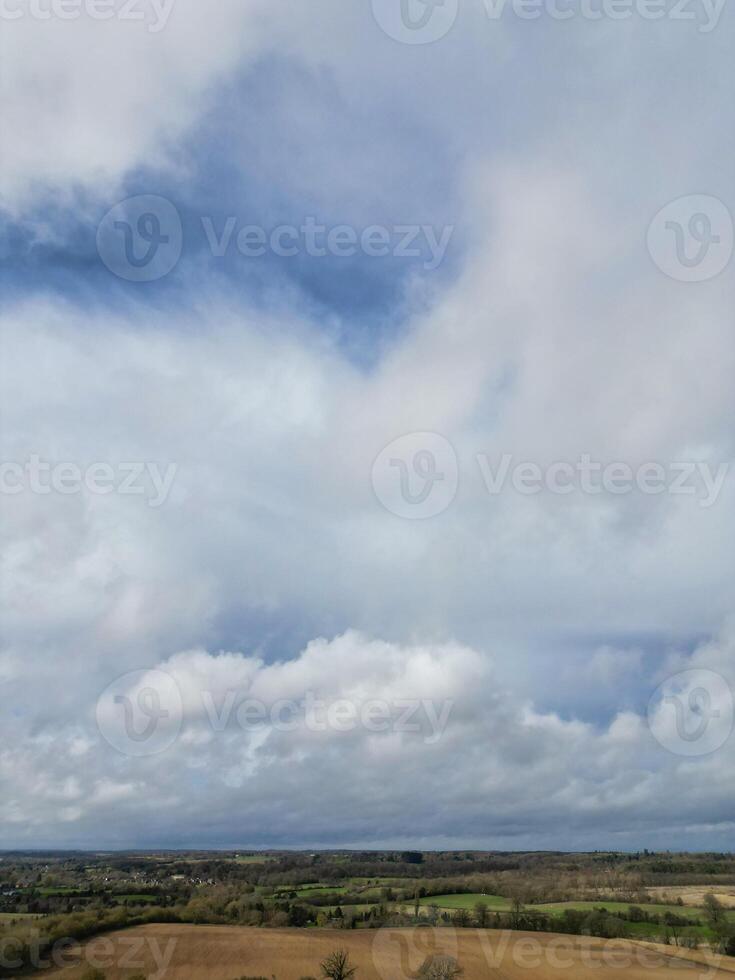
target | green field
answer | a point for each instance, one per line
(308, 890)
(346, 909)
(370, 889)
(62, 890)
(364, 886)
(495, 903)
(385, 882)
(688, 912)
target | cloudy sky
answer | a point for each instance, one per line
(376, 356)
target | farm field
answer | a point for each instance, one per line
(651, 908)
(495, 903)
(384, 882)
(352, 909)
(309, 890)
(693, 895)
(224, 952)
(369, 891)
(60, 891)
(500, 904)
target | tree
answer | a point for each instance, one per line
(516, 912)
(671, 921)
(298, 916)
(439, 968)
(481, 914)
(337, 966)
(462, 919)
(714, 909)
(412, 857)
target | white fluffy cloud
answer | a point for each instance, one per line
(473, 767)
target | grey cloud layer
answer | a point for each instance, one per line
(272, 511)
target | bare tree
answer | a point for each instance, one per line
(337, 966)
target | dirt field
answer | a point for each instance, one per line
(692, 895)
(175, 952)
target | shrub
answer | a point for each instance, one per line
(439, 968)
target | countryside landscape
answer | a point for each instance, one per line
(391, 914)
(367, 490)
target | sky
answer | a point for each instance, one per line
(367, 460)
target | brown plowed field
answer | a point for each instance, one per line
(183, 952)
